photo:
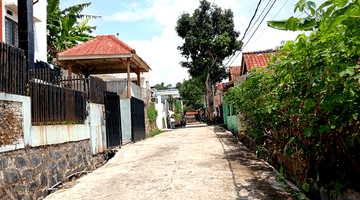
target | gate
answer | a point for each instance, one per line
(112, 117)
(137, 119)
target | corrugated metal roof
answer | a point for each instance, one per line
(101, 45)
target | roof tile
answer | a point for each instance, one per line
(257, 59)
(100, 45)
(235, 71)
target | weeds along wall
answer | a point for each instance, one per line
(307, 105)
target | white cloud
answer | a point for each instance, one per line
(133, 12)
(161, 53)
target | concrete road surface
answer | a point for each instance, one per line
(195, 162)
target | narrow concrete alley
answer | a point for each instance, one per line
(195, 162)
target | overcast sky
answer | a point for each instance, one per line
(148, 26)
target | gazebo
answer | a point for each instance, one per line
(105, 54)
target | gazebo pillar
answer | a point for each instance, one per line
(128, 78)
(138, 76)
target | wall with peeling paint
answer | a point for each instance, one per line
(35, 136)
(96, 127)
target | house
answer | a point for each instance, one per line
(192, 115)
(11, 26)
(250, 60)
(55, 126)
(165, 106)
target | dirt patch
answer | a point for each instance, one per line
(11, 123)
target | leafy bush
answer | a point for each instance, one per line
(207, 121)
(307, 104)
(152, 113)
(176, 116)
(185, 109)
(153, 133)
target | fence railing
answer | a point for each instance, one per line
(12, 70)
(56, 99)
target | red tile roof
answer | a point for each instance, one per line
(192, 113)
(256, 59)
(235, 71)
(101, 45)
(220, 86)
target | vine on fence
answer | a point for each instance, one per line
(307, 105)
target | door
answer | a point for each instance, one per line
(112, 117)
(137, 119)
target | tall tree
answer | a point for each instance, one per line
(191, 92)
(66, 27)
(209, 38)
(178, 85)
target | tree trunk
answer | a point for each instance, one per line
(208, 92)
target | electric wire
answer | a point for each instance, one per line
(257, 7)
(252, 18)
(254, 31)
(261, 14)
(254, 25)
(268, 26)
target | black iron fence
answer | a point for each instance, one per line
(12, 70)
(56, 99)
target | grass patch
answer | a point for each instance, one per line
(153, 133)
(56, 123)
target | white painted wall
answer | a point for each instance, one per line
(162, 112)
(94, 128)
(144, 78)
(40, 35)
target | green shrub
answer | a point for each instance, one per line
(207, 121)
(176, 116)
(153, 133)
(152, 113)
(307, 105)
(185, 109)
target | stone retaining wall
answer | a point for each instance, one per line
(29, 172)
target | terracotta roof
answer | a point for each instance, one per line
(256, 59)
(191, 113)
(101, 45)
(235, 71)
(220, 86)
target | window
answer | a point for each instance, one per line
(11, 32)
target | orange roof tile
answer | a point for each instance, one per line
(235, 71)
(100, 45)
(257, 59)
(192, 113)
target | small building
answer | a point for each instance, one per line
(250, 60)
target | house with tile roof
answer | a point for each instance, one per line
(255, 59)
(250, 60)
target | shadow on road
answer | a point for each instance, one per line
(259, 188)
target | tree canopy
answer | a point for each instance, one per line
(209, 38)
(162, 86)
(191, 92)
(307, 104)
(66, 27)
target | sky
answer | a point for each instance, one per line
(148, 26)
